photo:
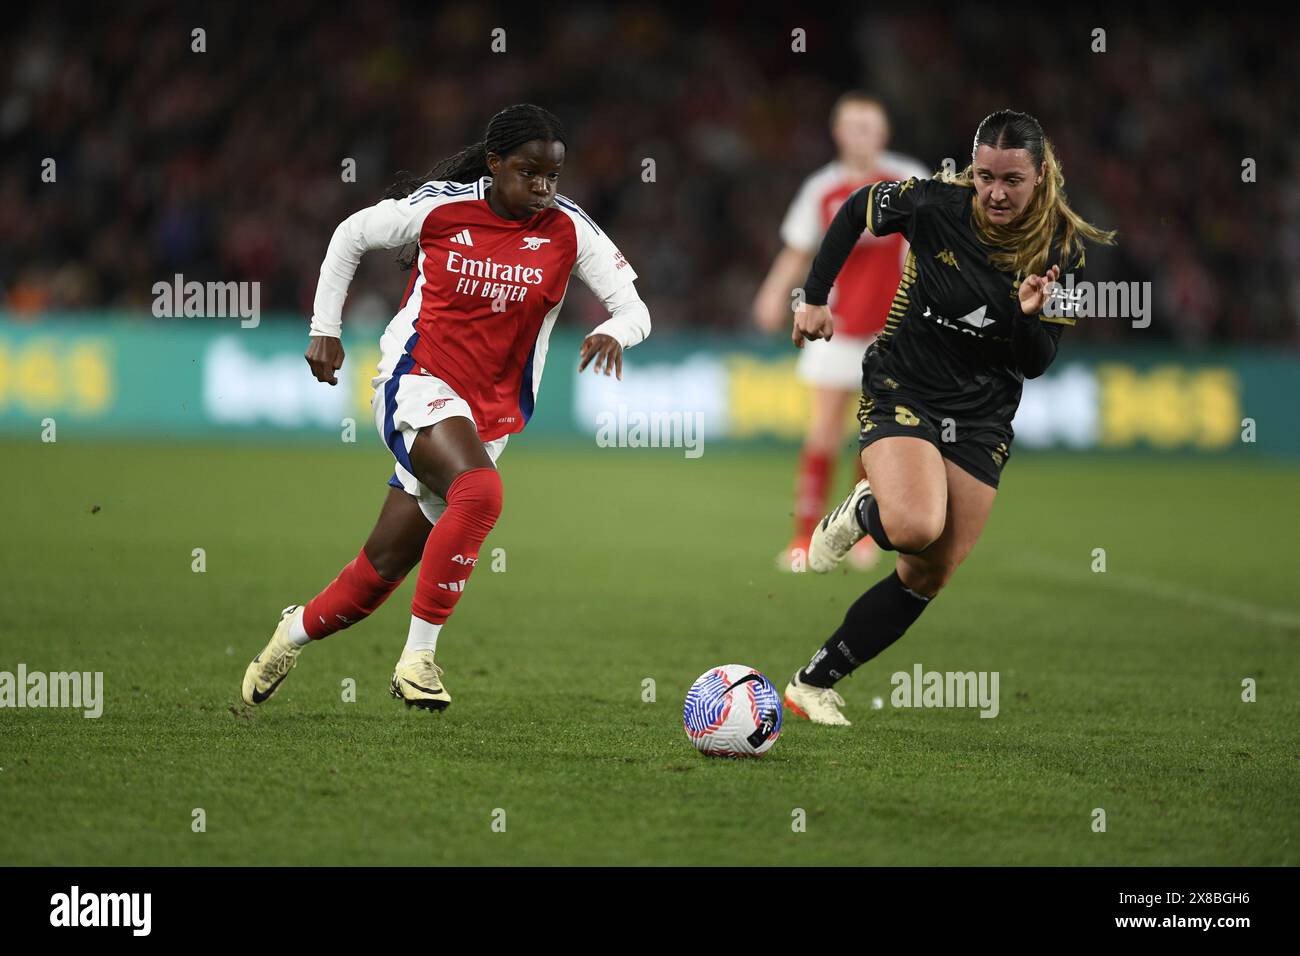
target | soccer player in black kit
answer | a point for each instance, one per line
(943, 380)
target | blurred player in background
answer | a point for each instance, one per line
(460, 366)
(860, 301)
(942, 382)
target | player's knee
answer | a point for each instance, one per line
(479, 492)
(391, 565)
(913, 532)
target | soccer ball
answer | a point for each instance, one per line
(732, 711)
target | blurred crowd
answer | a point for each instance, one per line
(227, 164)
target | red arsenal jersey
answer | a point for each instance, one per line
(484, 292)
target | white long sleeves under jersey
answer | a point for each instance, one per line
(392, 223)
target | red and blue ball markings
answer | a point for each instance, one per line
(707, 704)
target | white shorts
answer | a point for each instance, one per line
(833, 364)
(403, 405)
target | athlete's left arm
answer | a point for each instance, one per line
(610, 277)
(627, 325)
(1045, 312)
(1034, 344)
(1033, 341)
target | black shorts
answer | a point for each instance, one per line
(979, 449)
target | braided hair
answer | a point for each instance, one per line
(506, 131)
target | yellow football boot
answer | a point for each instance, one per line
(418, 681)
(269, 668)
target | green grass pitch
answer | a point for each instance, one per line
(1119, 690)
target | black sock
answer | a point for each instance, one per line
(875, 621)
(869, 521)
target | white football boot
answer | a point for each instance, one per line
(821, 705)
(417, 680)
(838, 532)
(269, 668)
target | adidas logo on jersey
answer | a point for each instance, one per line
(533, 243)
(452, 585)
(462, 238)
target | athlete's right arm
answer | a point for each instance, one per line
(812, 319)
(882, 208)
(386, 225)
(325, 357)
(842, 235)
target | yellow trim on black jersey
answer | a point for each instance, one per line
(870, 197)
(1058, 321)
(898, 307)
(865, 404)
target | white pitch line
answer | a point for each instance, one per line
(1053, 567)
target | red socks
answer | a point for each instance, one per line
(810, 492)
(355, 594)
(473, 505)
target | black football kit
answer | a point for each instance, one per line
(951, 361)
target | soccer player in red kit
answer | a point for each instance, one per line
(860, 301)
(459, 371)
